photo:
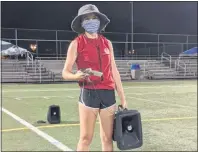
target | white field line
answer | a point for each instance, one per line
(161, 86)
(77, 89)
(44, 135)
(44, 97)
(72, 97)
(147, 93)
(154, 101)
(18, 98)
(40, 90)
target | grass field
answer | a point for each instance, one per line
(168, 110)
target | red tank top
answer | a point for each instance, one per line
(95, 54)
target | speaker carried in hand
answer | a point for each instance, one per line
(53, 115)
(127, 129)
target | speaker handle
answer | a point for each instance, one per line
(120, 108)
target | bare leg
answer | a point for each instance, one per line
(87, 124)
(106, 127)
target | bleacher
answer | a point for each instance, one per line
(153, 69)
(13, 71)
(187, 63)
(51, 70)
(189, 66)
(56, 67)
(21, 71)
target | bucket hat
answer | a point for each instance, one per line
(87, 9)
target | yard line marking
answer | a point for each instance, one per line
(45, 97)
(41, 90)
(144, 93)
(173, 104)
(47, 126)
(14, 129)
(77, 124)
(161, 86)
(70, 97)
(78, 89)
(164, 119)
(17, 98)
(53, 141)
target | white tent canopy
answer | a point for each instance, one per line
(5, 43)
(11, 49)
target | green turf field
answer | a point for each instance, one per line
(168, 110)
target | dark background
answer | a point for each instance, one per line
(148, 17)
(179, 17)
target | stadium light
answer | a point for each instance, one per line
(33, 47)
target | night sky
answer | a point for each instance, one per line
(148, 17)
(155, 17)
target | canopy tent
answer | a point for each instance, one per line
(5, 45)
(190, 52)
(11, 49)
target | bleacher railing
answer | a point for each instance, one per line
(55, 42)
(38, 67)
(30, 58)
(180, 64)
(167, 57)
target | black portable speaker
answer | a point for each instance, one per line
(53, 115)
(127, 129)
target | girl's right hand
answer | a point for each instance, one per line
(79, 75)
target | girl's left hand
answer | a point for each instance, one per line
(124, 104)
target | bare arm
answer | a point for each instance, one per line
(70, 60)
(116, 77)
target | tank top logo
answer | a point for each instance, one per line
(106, 50)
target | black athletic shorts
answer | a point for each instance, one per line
(97, 98)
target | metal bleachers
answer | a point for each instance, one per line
(56, 67)
(13, 71)
(187, 66)
(51, 70)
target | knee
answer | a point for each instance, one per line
(107, 140)
(86, 139)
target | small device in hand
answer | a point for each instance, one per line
(89, 71)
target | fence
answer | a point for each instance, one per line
(54, 43)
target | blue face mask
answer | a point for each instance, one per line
(91, 25)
